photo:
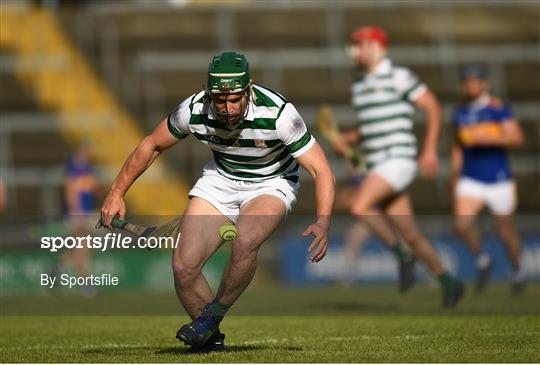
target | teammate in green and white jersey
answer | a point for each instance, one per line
(384, 100)
(258, 140)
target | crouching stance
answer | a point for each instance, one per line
(258, 141)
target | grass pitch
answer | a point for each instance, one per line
(322, 325)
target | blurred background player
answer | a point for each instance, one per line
(485, 129)
(81, 192)
(384, 100)
(356, 233)
(258, 141)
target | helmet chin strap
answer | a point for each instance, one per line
(238, 120)
(231, 123)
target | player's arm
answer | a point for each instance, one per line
(136, 163)
(328, 128)
(428, 160)
(345, 139)
(510, 135)
(351, 136)
(456, 156)
(314, 161)
(3, 197)
(292, 130)
(70, 195)
(456, 153)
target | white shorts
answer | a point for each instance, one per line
(398, 172)
(499, 197)
(228, 195)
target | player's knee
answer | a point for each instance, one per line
(505, 232)
(359, 210)
(185, 272)
(462, 226)
(244, 247)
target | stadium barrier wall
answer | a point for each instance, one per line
(377, 264)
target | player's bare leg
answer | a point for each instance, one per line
(81, 258)
(355, 237)
(199, 239)
(465, 212)
(506, 230)
(375, 190)
(355, 234)
(401, 214)
(258, 219)
(78, 259)
(510, 238)
(466, 209)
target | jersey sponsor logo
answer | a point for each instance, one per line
(212, 139)
(260, 143)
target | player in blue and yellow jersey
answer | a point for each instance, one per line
(81, 191)
(485, 129)
(80, 183)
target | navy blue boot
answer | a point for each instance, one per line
(197, 333)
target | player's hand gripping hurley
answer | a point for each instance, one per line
(165, 230)
(328, 128)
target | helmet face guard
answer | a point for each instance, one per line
(230, 119)
(228, 73)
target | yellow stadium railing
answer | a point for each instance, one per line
(86, 108)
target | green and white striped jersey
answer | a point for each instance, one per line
(383, 102)
(263, 146)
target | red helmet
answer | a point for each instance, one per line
(369, 33)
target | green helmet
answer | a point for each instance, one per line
(228, 73)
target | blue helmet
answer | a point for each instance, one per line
(475, 71)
